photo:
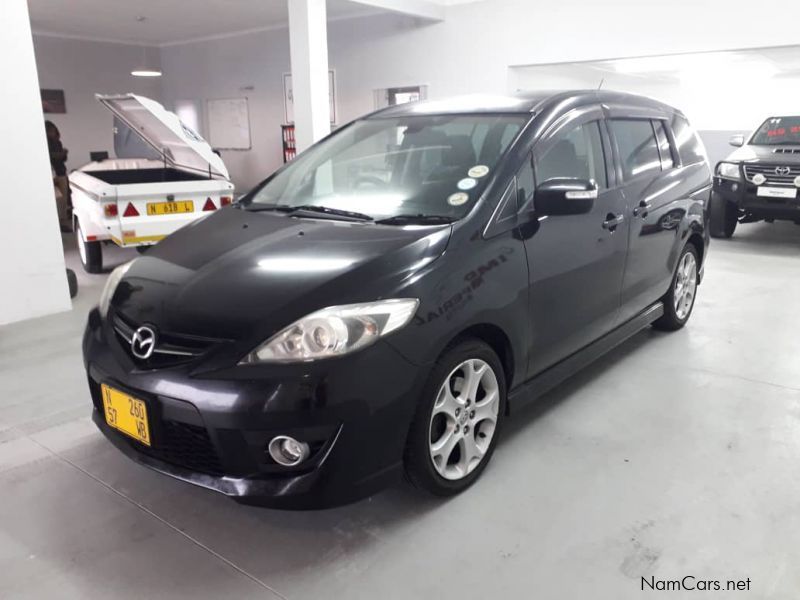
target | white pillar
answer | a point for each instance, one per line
(308, 44)
(32, 277)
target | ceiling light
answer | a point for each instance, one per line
(144, 69)
(145, 73)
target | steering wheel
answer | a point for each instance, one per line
(368, 181)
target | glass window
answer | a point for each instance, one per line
(525, 186)
(577, 153)
(778, 130)
(690, 148)
(664, 147)
(409, 165)
(637, 145)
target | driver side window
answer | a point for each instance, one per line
(576, 153)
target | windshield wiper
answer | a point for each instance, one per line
(416, 220)
(313, 208)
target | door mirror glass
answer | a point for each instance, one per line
(565, 196)
(737, 140)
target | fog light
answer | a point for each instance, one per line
(287, 451)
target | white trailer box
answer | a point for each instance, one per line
(136, 201)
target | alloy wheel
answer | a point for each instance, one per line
(464, 419)
(685, 286)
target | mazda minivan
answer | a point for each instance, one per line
(383, 303)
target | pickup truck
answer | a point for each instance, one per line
(760, 181)
(150, 189)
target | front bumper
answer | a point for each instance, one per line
(212, 429)
(745, 195)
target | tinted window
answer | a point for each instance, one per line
(525, 186)
(664, 147)
(576, 153)
(637, 145)
(778, 130)
(690, 148)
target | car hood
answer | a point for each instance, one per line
(238, 274)
(784, 154)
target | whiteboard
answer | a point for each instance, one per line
(229, 124)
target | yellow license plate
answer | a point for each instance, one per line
(170, 208)
(126, 413)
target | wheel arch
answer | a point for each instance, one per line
(496, 338)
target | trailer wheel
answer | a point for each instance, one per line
(91, 253)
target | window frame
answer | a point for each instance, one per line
(673, 151)
(620, 170)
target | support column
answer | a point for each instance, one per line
(308, 44)
(32, 273)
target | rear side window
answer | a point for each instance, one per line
(690, 148)
(664, 147)
(637, 145)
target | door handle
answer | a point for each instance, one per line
(642, 209)
(613, 221)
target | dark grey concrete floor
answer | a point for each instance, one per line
(675, 455)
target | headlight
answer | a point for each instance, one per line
(111, 286)
(335, 331)
(728, 171)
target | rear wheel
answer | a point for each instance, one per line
(455, 429)
(724, 216)
(679, 300)
(91, 253)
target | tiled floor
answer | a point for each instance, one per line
(676, 455)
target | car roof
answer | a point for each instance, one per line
(521, 103)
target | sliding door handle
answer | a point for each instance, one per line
(613, 221)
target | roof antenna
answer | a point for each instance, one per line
(602, 81)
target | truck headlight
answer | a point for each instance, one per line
(729, 171)
(335, 331)
(111, 286)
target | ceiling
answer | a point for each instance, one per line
(167, 21)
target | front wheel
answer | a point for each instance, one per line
(679, 300)
(90, 252)
(457, 423)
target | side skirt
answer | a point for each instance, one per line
(547, 380)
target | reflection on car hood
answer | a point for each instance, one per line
(238, 272)
(766, 154)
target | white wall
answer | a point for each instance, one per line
(471, 51)
(82, 69)
(32, 276)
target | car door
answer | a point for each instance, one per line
(653, 188)
(576, 262)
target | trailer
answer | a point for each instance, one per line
(150, 189)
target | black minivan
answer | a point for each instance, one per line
(382, 303)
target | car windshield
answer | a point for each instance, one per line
(426, 168)
(778, 130)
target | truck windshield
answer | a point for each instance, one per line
(396, 169)
(778, 130)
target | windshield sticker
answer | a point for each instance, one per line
(467, 184)
(478, 171)
(457, 199)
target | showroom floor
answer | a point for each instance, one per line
(675, 455)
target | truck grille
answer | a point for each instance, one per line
(783, 175)
(184, 445)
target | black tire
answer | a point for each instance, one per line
(72, 282)
(142, 249)
(91, 253)
(419, 463)
(723, 217)
(671, 320)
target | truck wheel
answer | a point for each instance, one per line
(679, 300)
(91, 253)
(724, 216)
(457, 423)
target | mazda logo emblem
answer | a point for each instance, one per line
(783, 170)
(143, 342)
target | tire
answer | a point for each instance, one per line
(91, 253)
(457, 423)
(678, 306)
(723, 217)
(72, 282)
(142, 249)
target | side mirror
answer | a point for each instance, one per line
(737, 140)
(565, 196)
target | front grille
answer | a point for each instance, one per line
(171, 349)
(773, 177)
(184, 445)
